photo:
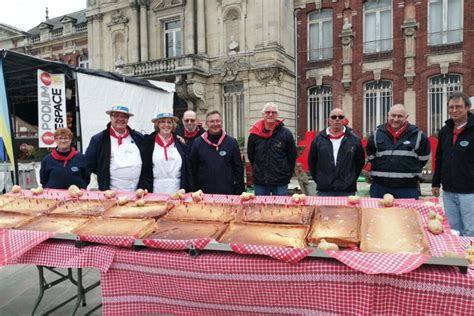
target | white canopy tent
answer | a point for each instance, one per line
(98, 94)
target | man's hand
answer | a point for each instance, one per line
(435, 191)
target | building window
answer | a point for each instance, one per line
(233, 112)
(319, 107)
(439, 89)
(320, 35)
(173, 38)
(83, 61)
(377, 103)
(445, 24)
(378, 31)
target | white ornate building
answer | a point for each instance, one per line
(226, 55)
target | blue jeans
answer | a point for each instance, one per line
(334, 193)
(271, 189)
(378, 191)
(459, 209)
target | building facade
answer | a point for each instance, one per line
(62, 38)
(13, 38)
(226, 55)
(365, 56)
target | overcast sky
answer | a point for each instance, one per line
(26, 14)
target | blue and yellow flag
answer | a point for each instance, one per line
(5, 128)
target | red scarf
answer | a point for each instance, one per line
(205, 137)
(57, 156)
(159, 141)
(337, 136)
(456, 133)
(396, 135)
(188, 136)
(259, 127)
(113, 134)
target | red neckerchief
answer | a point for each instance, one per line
(259, 127)
(57, 156)
(396, 135)
(113, 134)
(337, 136)
(187, 135)
(159, 141)
(456, 133)
(205, 137)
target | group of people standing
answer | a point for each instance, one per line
(193, 158)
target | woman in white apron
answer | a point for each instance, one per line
(165, 167)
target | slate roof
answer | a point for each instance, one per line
(79, 16)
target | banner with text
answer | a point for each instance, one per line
(51, 106)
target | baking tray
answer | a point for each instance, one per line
(393, 230)
(33, 206)
(130, 210)
(185, 230)
(10, 220)
(344, 224)
(82, 207)
(56, 223)
(203, 212)
(128, 227)
(276, 213)
(266, 234)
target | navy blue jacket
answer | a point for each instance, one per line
(99, 152)
(397, 165)
(217, 171)
(146, 176)
(273, 159)
(54, 175)
(455, 162)
(341, 177)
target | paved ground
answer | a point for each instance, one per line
(19, 290)
(19, 283)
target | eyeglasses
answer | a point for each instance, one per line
(271, 112)
(63, 138)
(335, 117)
(189, 121)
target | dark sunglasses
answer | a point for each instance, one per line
(189, 120)
(334, 117)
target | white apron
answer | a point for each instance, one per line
(166, 173)
(125, 164)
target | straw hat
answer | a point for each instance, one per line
(119, 109)
(160, 116)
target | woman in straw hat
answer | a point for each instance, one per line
(165, 167)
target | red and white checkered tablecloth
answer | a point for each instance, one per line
(290, 255)
(63, 254)
(214, 283)
(14, 243)
(119, 241)
(176, 244)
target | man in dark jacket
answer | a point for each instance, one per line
(397, 151)
(455, 165)
(271, 150)
(336, 158)
(190, 129)
(114, 154)
(216, 163)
